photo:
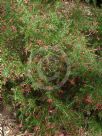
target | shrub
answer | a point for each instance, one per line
(50, 66)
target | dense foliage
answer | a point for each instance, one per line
(51, 66)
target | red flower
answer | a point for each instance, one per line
(99, 106)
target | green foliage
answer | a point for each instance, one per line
(40, 40)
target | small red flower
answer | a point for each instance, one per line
(99, 106)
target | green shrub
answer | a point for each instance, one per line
(50, 67)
